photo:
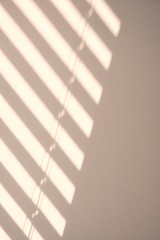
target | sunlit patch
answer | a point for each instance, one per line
(17, 214)
(58, 177)
(45, 28)
(53, 215)
(41, 113)
(88, 81)
(71, 149)
(75, 109)
(22, 133)
(59, 45)
(16, 170)
(92, 40)
(3, 234)
(107, 15)
(41, 67)
(62, 182)
(78, 113)
(36, 150)
(28, 185)
(53, 174)
(25, 93)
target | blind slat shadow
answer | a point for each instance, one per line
(20, 152)
(38, 40)
(47, 75)
(71, 109)
(25, 204)
(71, 37)
(31, 167)
(43, 46)
(26, 115)
(37, 85)
(56, 170)
(30, 76)
(10, 227)
(16, 192)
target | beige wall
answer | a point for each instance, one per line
(118, 189)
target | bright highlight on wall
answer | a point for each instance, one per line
(3, 234)
(61, 92)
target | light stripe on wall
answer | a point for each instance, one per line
(44, 71)
(60, 46)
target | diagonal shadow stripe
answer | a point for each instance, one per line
(3, 234)
(82, 6)
(38, 40)
(11, 228)
(55, 106)
(36, 84)
(62, 139)
(21, 154)
(47, 75)
(36, 173)
(26, 115)
(26, 205)
(56, 170)
(51, 42)
(30, 76)
(23, 199)
(108, 38)
(89, 37)
(107, 16)
(70, 35)
(16, 192)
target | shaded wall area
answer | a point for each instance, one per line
(121, 196)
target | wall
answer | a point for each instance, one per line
(117, 190)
